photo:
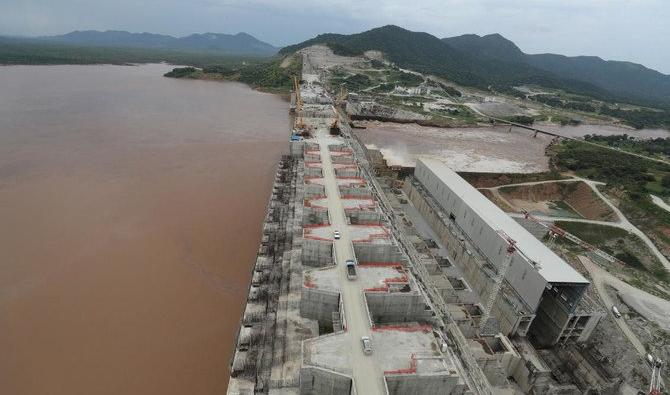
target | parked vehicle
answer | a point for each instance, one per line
(351, 269)
(367, 345)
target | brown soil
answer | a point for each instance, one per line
(577, 195)
(490, 180)
(496, 199)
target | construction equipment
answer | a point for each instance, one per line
(342, 95)
(655, 381)
(498, 279)
(334, 128)
(298, 124)
(555, 231)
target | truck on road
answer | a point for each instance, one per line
(351, 269)
(367, 345)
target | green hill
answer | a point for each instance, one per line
(490, 62)
(240, 44)
(622, 80)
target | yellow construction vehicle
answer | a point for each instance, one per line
(334, 128)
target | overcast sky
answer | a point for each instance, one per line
(633, 30)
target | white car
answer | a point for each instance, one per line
(367, 345)
(337, 235)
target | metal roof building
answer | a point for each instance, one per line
(550, 266)
(543, 280)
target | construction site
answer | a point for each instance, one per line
(372, 279)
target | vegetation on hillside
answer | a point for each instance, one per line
(429, 55)
(621, 81)
(181, 72)
(640, 267)
(271, 75)
(632, 174)
(629, 179)
(638, 118)
(556, 101)
(265, 75)
(659, 147)
(521, 119)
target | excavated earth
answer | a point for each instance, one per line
(571, 196)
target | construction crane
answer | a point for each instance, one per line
(555, 231)
(294, 98)
(298, 124)
(342, 95)
(655, 382)
(334, 127)
(498, 279)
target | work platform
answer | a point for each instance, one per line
(409, 355)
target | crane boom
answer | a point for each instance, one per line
(557, 231)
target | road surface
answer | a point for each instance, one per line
(621, 222)
(368, 378)
(660, 202)
(625, 224)
(599, 277)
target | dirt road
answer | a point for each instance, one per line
(600, 278)
(621, 222)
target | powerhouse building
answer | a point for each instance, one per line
(548, 286)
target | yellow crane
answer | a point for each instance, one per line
(298, 104)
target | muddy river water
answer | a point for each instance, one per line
(499, 149)
(131, 208)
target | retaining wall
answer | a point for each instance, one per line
(423, 384)
(394, 307)
(317, 253)
(354, 192)
(369, 252)
(319, 304)
(318, 381)
(315, 216)
(364, 217)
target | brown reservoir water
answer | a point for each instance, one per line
(131, 207)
